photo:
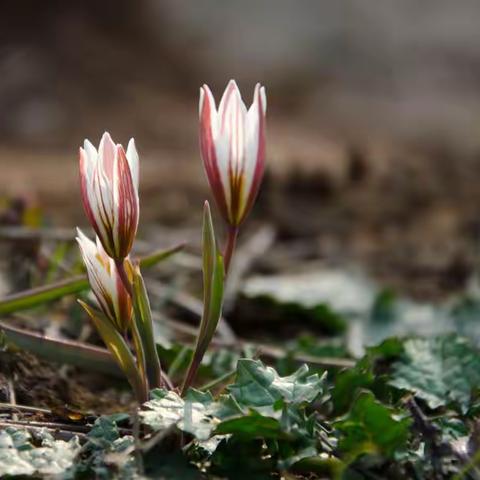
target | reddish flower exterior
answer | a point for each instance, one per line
(232, 144)
(109, 186)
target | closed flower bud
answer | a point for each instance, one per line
(232, 144)
(105, 282)
(109, 185)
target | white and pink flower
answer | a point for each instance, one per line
(105, 282)
(109, 185)
(232, 144)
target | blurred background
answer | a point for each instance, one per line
(373, 118)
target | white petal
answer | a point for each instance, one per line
(263, 98)
(200, 102)
(251, 149)
(106, 153)
(233, 113)
(133, 162)
(89, 153)
(231, 91)
(222, 153)
(90, 150)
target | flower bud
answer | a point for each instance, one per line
(109, 185)
(105, 281)
(232, 144)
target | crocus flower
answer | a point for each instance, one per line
(105, 281)
(109, 184)
(232, 144)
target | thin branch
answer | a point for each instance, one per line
(24, 408)
(61, 434)
(247, 253)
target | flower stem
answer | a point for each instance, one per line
(191, 373)
(124, 277)
(230, 246)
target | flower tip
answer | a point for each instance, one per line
(202, 96)
(232, 84)
(80, 235)
(263, 98)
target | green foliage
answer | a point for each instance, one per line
(259, 386)
(213, 279)
(143, 324)
(355, 424)
(373, 428)
(439, 370)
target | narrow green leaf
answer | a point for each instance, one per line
(119, 349)
(143, 323)
(139, 353)
(213, 279)
(160, 255)
(74, 285)
(37, 296)
(66, 351)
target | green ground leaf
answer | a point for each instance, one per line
(107, 451)
(169, 466)
(371, 427)
(197, 414)
(260, 386)
(252, 426)
(347, 384)
(364, 375)
(237, 459)
(20, 456)
(439, 370)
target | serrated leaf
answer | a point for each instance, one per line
(197, 414)
(371, 427)
(19, 456)
(439, 370)
(260, 386)
(107, 450)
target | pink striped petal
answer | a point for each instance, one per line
(109, 186)
(232, 143)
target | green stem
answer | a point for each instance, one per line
(217, 381)
(232, 235)
(191, 373)
(142, 318)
